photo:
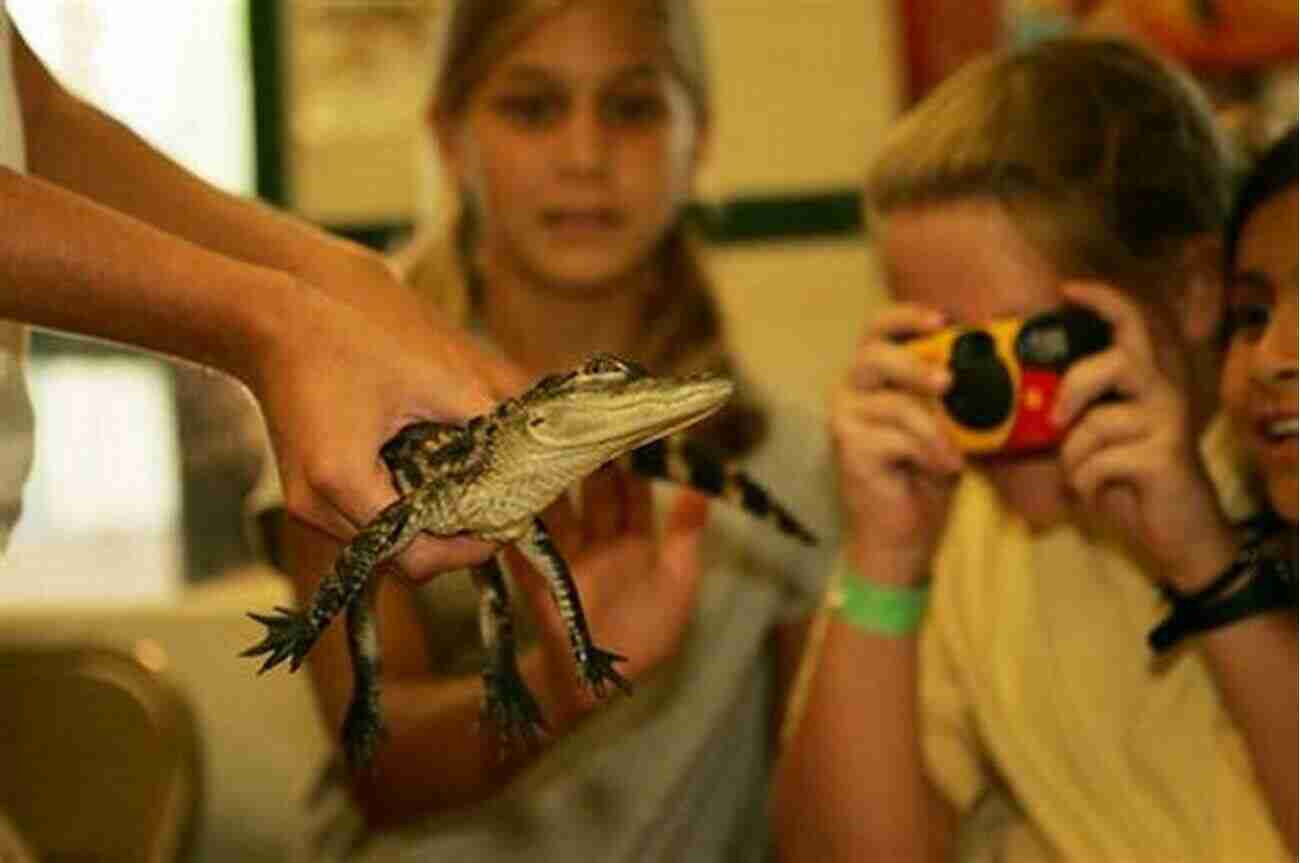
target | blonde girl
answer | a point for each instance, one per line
(992, 639)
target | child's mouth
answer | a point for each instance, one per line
(1278, 430)
(594, 219)
(1277, 440)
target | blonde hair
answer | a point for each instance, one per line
(1107, 159)
(683, 332)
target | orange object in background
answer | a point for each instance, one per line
(1219, 34)
(940, 35)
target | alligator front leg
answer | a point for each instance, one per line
(363, 726)
(595, 666)
(507, 701)
(291, 634)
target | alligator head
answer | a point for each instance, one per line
(568, 425)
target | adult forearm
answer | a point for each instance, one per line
(129, 175)
(851, 784)
(69, 263)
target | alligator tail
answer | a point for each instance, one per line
(688, 462)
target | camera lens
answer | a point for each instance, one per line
(981, 395)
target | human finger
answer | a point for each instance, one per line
(683, 532)
(906, 414)
(602, 505)
(639, 501)
(1113, 373)
(1106, 468)
(503, 378)
(860, 419)
(900, 321)
(870, 458)
(1108, 425)
(317, 509)
(423, 559)
(881, 364)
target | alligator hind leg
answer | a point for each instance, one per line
(595, 666)
(291, 634)
(507, 701)
(363, 727)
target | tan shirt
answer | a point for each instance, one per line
(15, 406)
(1037, 681)
(680, 769)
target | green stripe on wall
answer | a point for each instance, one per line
(781, 218)
(758, 219)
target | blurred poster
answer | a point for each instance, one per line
(940, 35)
(358, 72)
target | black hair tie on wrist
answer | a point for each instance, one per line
(1269, 585)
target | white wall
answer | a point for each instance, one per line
(805, 88)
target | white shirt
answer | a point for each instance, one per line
(15, 407)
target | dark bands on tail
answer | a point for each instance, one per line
(687, 462)
(650, 460)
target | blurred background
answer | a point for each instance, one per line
(315, 105)
(133, 529)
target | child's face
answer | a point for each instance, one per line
(969, 260)
(1258, 385)
(578, 149)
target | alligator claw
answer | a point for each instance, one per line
(598, 669)
(289, 636)
(510, 706)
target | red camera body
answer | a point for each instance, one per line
(1005, 375)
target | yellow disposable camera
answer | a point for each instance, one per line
(1005, 375)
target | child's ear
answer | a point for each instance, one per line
(1200, 301)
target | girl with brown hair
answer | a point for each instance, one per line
(571, 132)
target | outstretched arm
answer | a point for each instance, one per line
(117, 242)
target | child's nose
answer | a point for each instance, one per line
(585, 143)
(1275, 354)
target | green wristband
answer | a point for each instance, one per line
(882, 609)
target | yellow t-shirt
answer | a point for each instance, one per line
(1036, 677)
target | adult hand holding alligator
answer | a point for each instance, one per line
(354, 385)
(129, 246)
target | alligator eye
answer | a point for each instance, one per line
(537, 421)
(602, 363)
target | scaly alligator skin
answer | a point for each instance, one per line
(490, 478)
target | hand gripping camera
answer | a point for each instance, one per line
(1005, 375)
